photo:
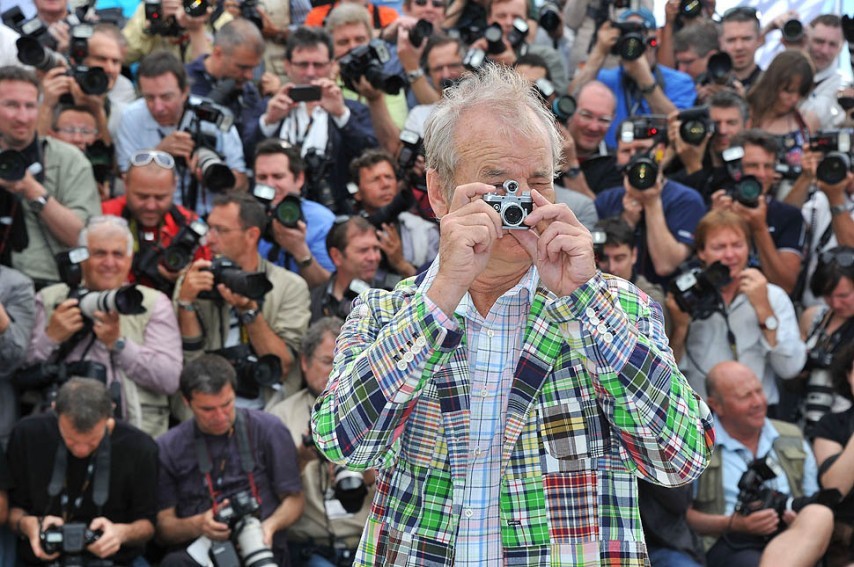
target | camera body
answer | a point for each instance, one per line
(410, 150)
(642, 128)
(632, 42)
(13, 165)
(837, 150)
(719, 69)
(226, 272)
(512, 207)
(199, 111)
(419, 32)
(695, 125)
(252, 371)
(550, 18)
(68, 539)
(744, 189)
(697, 290)
(241, 516)
(367, 61)
(158, 24)
(317, 187)
(289, 211)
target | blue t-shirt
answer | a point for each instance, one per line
(786, 226)
(683, 209)
(318, 223)
(677, 86)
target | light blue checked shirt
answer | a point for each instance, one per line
(494, 350)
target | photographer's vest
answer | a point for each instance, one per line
(789, 449)
(143, 408)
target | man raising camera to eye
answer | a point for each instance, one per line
(77, 472)
(257, 333)
(745, 531)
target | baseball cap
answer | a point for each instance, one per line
(644, 13)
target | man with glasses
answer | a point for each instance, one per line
(78, 126)
(153, 120)
(590, 169)
(238, 326)
(138, 353)
(333, 128)
(444, 58)
(54, 198)
(155, 220)
(740, 38)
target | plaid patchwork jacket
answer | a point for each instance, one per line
(596, 401)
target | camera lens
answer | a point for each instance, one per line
(748, 191)
(174, 259)
(793, 30)
(563, 107)
(195, 8)
(513, 214)
(690, 8)
(693, 131)
(631, 46)
(643, 174)
(833, 168)
(92, 80)
(493, 35)
(719, 67)
(288, 212)
(13, 166)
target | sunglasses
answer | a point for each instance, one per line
(436, 3)
(843, 256)
(144, 157)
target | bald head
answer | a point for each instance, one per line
(724, 375)
(596, 90)
(592, 118)
(735, 393)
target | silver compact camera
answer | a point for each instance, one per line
(512, 207)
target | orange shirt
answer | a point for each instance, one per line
(317, 16)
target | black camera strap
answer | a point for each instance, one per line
(97, 474)
(244, 450)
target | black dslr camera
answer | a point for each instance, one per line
(252, 371)
(70, 541)
(173, 257)
(633, 41)
(317, 187)
(696, 125)
(697, 291)
(419, 32)
(349, 486)
(744, 189)
(13, 165)
(368, 61)
(512, 207)
(241, 516)
(160, 25)
(837, 150)
(253, 286)
(199, 111)
(643, 128)
(719, 69)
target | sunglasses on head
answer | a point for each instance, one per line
(144, 157)
(436, 3)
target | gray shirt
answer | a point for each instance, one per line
(16, 297)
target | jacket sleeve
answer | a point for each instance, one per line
(789, 355)
(665, 428)
(383, 359)
(18, 301)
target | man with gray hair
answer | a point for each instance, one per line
(76, 467)
(226, 75)
(137, 354)
(512, 394)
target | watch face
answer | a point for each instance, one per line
(771, 323)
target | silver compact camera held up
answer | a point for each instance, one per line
(512, 207)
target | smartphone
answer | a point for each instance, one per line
(304, 93)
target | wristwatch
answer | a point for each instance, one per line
(413, 76)
(572, 172)
(119, 345)
(305, 262)
(248, 316)
(647, 90)
(770, 324)
(838, 210)
(186, 305)
(37, 205)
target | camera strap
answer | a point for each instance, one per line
(244, 450)
(97, 474)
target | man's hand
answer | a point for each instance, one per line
(761, 522)
(632, 209)
(32, 530)
(65, 320)
(690, 155)
(836, 193)
(197, 279)
(178, 144)
(107, 328)
(110, 541)
(606, 38)
(61, 32)
(280, 105)
(756, 216)
(753, 284)
(391, 245)
(639, 70)
(292, 240)
(239, 302)
(560, 247)
(467, 235)
(269, 84)
(28, 187)
(367, 90)
(4, 319)
(671, 11)
(212, 529)
(409, 55)
(679, 318)
(55, 84)
(331, 98)
(721, 201)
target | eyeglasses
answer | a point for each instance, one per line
(303, 65)
(220, 230)
(589, 116)
(843, 256)
(743, 11)
(436, 3)
(449, 67)
(144, 157)
(71, 130)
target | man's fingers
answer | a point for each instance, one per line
(470, 192)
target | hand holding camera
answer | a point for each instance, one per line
(65, 320)
(212, 528)
(198, 278)
(109, 541)
(606, 38)
(106, 328)
(291, 238)
(331, 98)
(280, 105)
(32, 529)
(178, 144)
(753, 284)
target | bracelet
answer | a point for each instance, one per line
(186, 305)
(647, 90)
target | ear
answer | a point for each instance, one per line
(336, 256)
(438, 199)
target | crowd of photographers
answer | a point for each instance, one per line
(193, 193)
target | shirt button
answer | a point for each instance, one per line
(421, 341)
(408, 357)
(484, 393)
(590, 312)
(602, 328)
(469, 513)
(608, 337)
(490, 333)
(401, 365)
(478, 452)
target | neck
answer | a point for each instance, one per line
(340, 284)
(746, 72)
(249, 262)
(211, 66)
(6, 145)
(492, 284)
(748, 438)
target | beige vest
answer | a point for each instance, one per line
(143, 408)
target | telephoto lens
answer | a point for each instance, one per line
(289, 211)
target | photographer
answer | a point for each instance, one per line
(332, 129)
(328, 531)
(725, 508)
(272, 323)
(226, 76)
(78, 126)
(827, 328)
(156, 222)
(641, 85)
(834, 453)
(153, 121)
(299, 226)
(743, 317)
(139, 352)
(174, 30)
(91, 477)
(218, 461)
(663, 214)
(355, 250)
(16, 324)
(740, 39)
(824, 44)
(408, 241)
